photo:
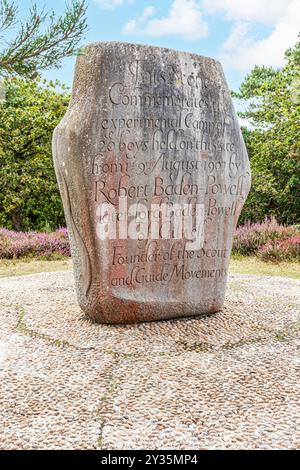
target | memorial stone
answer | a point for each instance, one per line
(153, 173)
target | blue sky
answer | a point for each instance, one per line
(240, 33)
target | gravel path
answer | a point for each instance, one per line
(229, 380)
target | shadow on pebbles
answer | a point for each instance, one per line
(229, 380)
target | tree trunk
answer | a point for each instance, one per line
(16, 218)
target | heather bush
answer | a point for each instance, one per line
(38, 244)
(269, 240)
(250, 237)
(281, 250)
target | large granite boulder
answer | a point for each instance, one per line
(153, 173)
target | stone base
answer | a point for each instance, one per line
(222, 381)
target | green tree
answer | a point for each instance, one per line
(29, 110)
(272, 98)
(29, 197)
(42, 41)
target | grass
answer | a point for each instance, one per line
(31, 266)
(238, 264)
(252, 265)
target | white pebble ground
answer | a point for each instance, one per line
(228, 380)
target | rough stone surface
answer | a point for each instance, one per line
(230, 380)
(153, 126)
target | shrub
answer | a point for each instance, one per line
(251, 236)
(281, 250)
(22, 244)
(269, 240)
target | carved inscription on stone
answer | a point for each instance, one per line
(153, 174)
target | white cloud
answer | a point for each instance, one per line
(242, 50)
(246, 53)
(263, 11)
(238, 34)
(133, 26)
(184, 19)
(109, 4)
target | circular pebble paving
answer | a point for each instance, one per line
(228, 380)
